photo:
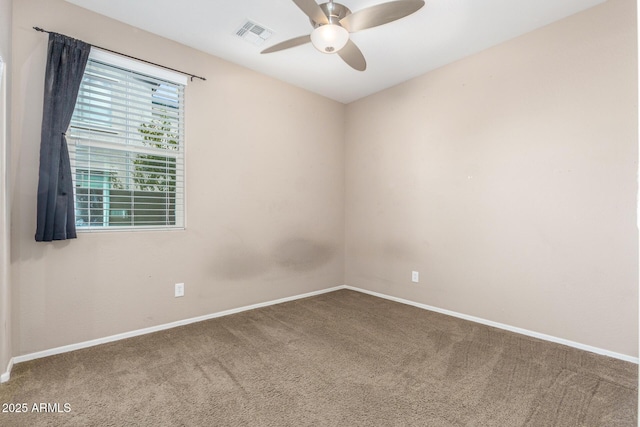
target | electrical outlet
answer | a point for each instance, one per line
(179, 291)
(415, 276)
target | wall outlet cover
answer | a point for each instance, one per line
(179, 290)
(415, 276)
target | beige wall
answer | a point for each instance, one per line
(508, 180)
(5, 294)
(264, 198)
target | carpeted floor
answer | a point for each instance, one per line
(338, 359)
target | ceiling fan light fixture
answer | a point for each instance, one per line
(329, 38)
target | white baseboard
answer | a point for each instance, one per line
(117, 337)
(7, 374)
(67, 348)
(517, 330)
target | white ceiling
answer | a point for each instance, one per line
(441, 32)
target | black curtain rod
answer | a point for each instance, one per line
(193, 76)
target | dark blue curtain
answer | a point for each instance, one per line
(66, 61)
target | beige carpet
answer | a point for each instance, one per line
(338, 359)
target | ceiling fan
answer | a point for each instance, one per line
(332, 22)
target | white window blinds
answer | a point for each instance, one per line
(126, 145)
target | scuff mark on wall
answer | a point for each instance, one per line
(301, 254)
(238, 261)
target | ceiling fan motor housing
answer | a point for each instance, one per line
(334, 12)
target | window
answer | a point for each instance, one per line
(126, 145)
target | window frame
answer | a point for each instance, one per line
(179, 213)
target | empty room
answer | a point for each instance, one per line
(302, 213)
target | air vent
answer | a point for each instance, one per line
(254, 33)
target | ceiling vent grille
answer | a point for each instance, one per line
(253, 33)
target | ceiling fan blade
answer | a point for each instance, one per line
(380, 14)
(288, 44)
(353, 57)
(312, 10)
